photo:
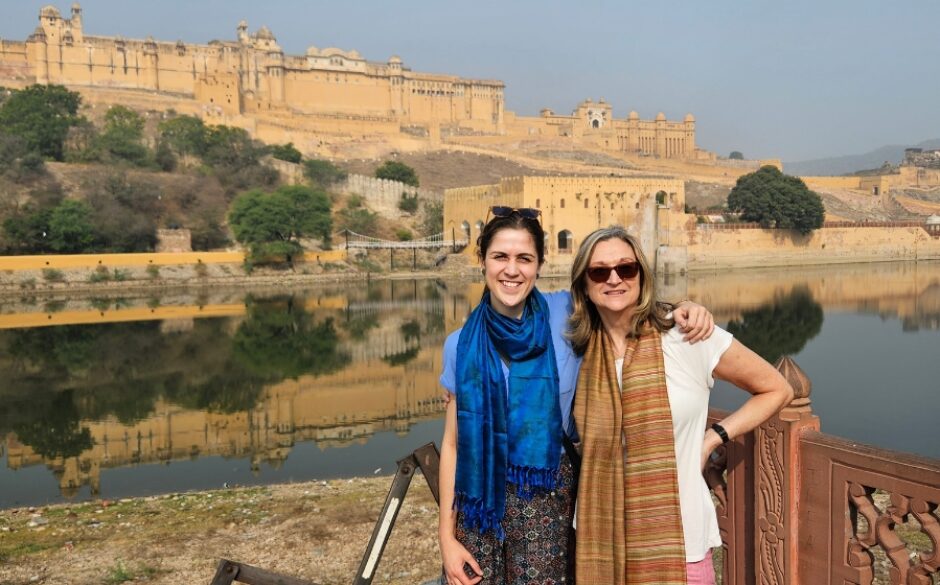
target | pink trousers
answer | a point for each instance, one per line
(702, 572)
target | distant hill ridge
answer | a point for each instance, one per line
(843, 165)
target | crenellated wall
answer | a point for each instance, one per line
(384, 195)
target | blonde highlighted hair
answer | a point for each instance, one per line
(585, 319)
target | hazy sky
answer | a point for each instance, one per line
(796, 80)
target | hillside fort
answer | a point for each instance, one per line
(250, 82)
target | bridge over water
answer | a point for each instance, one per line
(360, 241)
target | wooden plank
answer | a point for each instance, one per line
(231, 571)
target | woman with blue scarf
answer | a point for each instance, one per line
(505, 482)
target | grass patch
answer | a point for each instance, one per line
(10, 551)
(121, 573)
(54, 306)
(101, 274)
(53, 275)
(367, 265)
(100, 304)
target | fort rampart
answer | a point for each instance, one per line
(383, 195)
(747, 247)
(323, 95)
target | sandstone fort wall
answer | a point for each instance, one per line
(251, 83)
(572, 207)
(383, 195)
(710, 249)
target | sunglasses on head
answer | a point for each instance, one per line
(625, 271)
(506, 211)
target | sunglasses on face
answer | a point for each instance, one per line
(625, 271)
(505, 211)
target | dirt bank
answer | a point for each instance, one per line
(314, 530)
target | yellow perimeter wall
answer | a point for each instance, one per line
(163, 259)
(745, 248)
(874, 184)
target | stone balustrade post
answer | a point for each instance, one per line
(777, 481)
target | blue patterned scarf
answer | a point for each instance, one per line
(505, 437)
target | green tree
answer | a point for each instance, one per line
(26, 230)
(236, 159)
(408, 202)
(70, 228)
(123, 134)
(83, 143)
(404, 235)
(360, 220)
(779, 328)
(164, 157)
(736, 155)
(773, 199)
(287, 152)
(230, 148)
(397, 171)
(323, 173)
(17, 162)
(185, 135)
(271, 224)
(433, 222)
(125, 212)
(41, 115)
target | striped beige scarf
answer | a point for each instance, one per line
(629, 520)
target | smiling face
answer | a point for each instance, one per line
(510, 267)
(616, 297)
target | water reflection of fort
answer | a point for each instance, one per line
(389, 384)
(390, 381)
(331, 410)
(909, 292)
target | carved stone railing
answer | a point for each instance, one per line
(796, 506)
(848, 534)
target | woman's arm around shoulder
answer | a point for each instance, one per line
(694, 320)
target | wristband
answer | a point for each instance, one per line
(720, 430)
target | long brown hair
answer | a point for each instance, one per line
(585, 319)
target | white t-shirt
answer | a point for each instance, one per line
(689, 381)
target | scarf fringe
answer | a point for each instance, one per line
(477, 517)
(529, 480)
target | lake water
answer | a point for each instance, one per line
(113, 397)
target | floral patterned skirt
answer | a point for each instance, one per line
(535, 551)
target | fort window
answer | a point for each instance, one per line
(465, 226)
(661, 198)
(561, 203)
(479, 226)
(565, 241)
(585, 203)
(538, 203)
(595, 124)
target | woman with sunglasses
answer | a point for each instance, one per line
(505, 502)
(644, 511)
